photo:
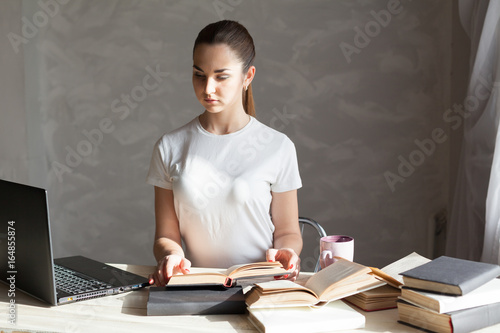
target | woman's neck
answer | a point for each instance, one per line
(221, 123)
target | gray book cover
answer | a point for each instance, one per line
(464, 321)
(472, 319)
(195, 300)
(466, 274)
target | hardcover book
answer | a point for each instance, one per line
(338, 280)
(451, 276)
(381, 298)
(195, 300)
(461, 321)
(335, 316)
(233, 273)
(486, 294)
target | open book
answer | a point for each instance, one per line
(392, 272)
(336, 281)
(233, 273)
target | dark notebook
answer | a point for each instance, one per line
(450, 275)
(195, 300)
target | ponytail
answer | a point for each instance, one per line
(248, 103)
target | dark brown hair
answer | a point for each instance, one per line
(236, 36)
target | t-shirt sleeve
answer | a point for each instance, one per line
(158, 174)
(288, 177)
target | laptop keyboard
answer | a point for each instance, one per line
(73, 283)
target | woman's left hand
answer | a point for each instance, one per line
(288, 258)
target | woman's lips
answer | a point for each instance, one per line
(209, 100)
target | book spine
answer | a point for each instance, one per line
(477, 281)
(196, 308)
(475, 318)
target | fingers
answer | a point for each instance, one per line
(294, 261)
(169, 266)
(271, 254)
(185, 265)
(158, 278)
(288, 258)
(295, 274)
(159, 274)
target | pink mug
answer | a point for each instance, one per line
(335, 246)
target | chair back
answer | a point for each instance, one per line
(318, 232)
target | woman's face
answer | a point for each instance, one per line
(218, 80)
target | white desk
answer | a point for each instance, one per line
(127, 313)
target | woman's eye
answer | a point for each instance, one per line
(198, 75)
(223, 77)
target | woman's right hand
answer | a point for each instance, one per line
(167, 267)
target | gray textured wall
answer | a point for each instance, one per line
(352, 83)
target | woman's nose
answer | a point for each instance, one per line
(210, 86)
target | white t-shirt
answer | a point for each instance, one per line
(222, 188)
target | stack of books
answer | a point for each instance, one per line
(385, 297)
(318, 304)
(207, 293)
(450, 295)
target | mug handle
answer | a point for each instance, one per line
(326, 253)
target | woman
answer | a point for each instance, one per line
(225, 184)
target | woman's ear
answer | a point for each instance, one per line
(249, 76)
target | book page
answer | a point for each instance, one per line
(197, 278)
(338, 271)
(256, 268)
(410, 261)
(384, 291)
(233, 269)
(276, 286)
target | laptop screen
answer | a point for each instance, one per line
(25, 243)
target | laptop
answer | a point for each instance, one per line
(26, 261)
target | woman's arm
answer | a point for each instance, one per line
(287, 237)
(167, 247)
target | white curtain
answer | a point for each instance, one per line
(474, 227)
